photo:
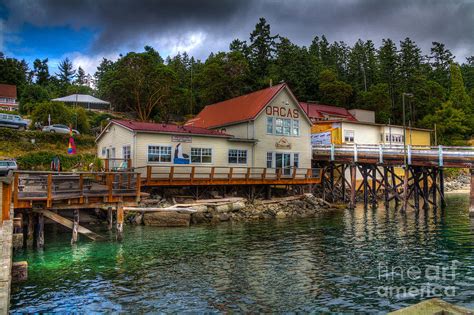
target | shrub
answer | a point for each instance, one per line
(60, 114)
(42, 160)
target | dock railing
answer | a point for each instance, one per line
(55, 186)
(450, 156)
(225, 175)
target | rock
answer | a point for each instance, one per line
(167, 219)
(199, 217)
(223, 208)
(224, 217)
(236, 206)
(215, 194)
(138, 219)
(200, 208)
(280, 215)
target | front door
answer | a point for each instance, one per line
(283, 162)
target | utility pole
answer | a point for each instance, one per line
(405, 178)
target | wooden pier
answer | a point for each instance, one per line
(406, 175)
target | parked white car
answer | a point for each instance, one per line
(7, 167)
(59, 129)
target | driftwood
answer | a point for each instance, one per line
(278, 200)
(173, 208)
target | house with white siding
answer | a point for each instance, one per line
(265, 129)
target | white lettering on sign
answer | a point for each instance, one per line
(184, 139)
(282, 112)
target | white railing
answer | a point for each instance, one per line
(439, 153)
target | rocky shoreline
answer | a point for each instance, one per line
(228, 210)
(461, 182)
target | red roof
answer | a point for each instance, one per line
(317, 111)
(238, 109)
(7, 90)
(167, 128)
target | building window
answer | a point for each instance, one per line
(269, 159)
(287, 127)
(296, 160)
(126, 152)
(348, 135)
(160, 154)
(237, 156)
(296, 127)
(270, 125)
(104, 151)
(201, 155)
(279, 126)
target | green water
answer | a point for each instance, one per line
(331, 263)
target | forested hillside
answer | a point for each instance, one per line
(359, 76)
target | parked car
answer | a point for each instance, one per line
(59, 129)
(13, 121)
(7, 167)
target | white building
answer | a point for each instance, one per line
(265, 129)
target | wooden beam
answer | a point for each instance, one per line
(75, 227)
(120, 217)
(68, 223)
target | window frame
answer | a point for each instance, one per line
(159, 146)
(271, 156)
(238, 151)
(129, 148)
(200, 155)
(346, 131)
(270, 123)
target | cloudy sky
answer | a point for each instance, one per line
(88, 30)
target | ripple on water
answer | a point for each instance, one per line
(330, 263)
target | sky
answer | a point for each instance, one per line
(88, 30)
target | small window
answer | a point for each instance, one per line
(279, 126)
(201, 155)
(270, 125)
(296, 160)
(269, 159)
(287, 127)
(104, 151)
(348, 135)
(126, 152)
(237, 156)
(296, 127)
(160, 154)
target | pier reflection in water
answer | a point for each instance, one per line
(329, 263)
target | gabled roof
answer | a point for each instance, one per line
(148, 127)
(80, 98)
(317, 111)
(237, 109)
(8, 90)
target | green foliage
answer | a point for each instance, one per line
(332, 90)
(61, 114)
(457, 93)
(31, 95)
(41, 160)
(377, 99)
(8, 134)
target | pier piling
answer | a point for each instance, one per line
(119, 222)
(471, 207)
(75, 227)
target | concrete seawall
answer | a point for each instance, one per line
(6, 235)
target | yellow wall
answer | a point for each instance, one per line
(418, 137)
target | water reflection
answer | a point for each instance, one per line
(330, 263)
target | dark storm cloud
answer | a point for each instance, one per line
(131, 24)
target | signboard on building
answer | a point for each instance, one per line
(283, 144)
(321, 138)
(179, 138)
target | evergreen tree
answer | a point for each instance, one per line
(262, 49)
(389, 68)
(81, 77)
(457, 92)
(41, 71)
(66, 71)
(440, 60)
(333, 91)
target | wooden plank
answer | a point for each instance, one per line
(151, 209)
(68, 223)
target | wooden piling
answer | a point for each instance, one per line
(386, 187)
(366, 186)
(405, 188)
(426, 196)
(75, 227)
(119, 222)
(331, 181)
(416, 190)
(374, 186)
(30, 230)
(343, 182)
(434, 187)
(110, 218)
(441, 187)
(353, 186)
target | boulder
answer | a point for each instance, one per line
(19, 271)
(167, 219)
(280, 215)
(223, 208)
